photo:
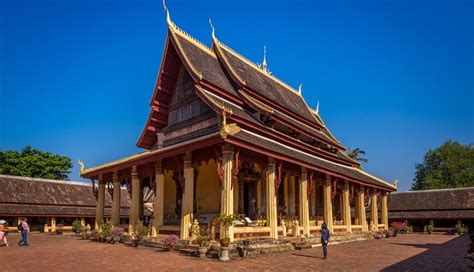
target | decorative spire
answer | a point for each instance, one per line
(317, 108)
(165, 8)
(396, 183)
(213, 30)
(300, 88)
(81, 165)
(264, 63)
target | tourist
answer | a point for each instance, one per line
(325, 239)
(3, 232)
(23, 227)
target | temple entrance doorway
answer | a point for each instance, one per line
(247, 179)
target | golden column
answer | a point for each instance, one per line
(346, 207)
(362, 213)
(272, 217)
(188, 193)
(374, 213)
(135, 205)
(328, 203)
(304, 207)
(227, 195)
(292, 197)
(158, 205)
(385, 210)
(53, 224)
(116, 200)
(99, 213)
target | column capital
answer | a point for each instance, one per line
(271, 164)
(115, 178)
(134, 172)
(362, 188)
(346, 184)
(327, 182)
(304, 173)
(158, 167)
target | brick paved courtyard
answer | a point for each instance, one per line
(404, 253)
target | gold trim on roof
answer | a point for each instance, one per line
(325, 128)
(231, 68)
(319, 158)
(145, 154)
(378, 179)
(211, 99)
(86, 171)
(256, 103)
(255, 66)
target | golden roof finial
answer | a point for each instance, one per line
(264, 63)
(300, 88)
(81, 165)
(213, 30)
(396, 183)
(165, 8)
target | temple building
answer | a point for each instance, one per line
(225, 136)
(50, 203)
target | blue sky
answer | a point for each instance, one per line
(393, 78)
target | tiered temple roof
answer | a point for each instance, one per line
(272, 118)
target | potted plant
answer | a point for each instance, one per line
(59, 229)
(429, 229)
(76, 226)
(116, 234)
(169, 242)
(397, 227)
(202, 239)
(139, 231)
(226, 222)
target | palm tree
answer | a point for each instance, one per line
(355, 154)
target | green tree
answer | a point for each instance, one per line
(355, 154)
(449, 166)
(31, 162)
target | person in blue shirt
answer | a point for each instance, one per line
(325, 239)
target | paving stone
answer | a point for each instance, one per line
(411, 252)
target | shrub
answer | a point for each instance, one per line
(106, 229)
(388, 233)
(116, 233)
(76, 225)
(429, 228)
(460, 229)
(398, 225)
(202, 237)
(139, 231)
(169, 242)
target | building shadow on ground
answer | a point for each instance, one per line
(448, 256)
